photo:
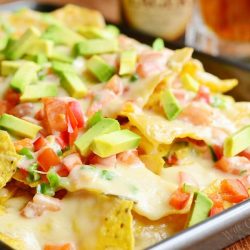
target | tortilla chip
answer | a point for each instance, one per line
(12, 242)
(75, 17)
(117, 229)
(8, 158)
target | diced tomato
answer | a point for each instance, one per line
(218, 151)
(39, 115)
(128, 157)
(71, 121)
(76, 109)
(245, 153)
(71, 161)
(21, 110)
(47, 159)
(3, 107)
(179, 199)
(73, 136)
(185, 178)
(233, 190)
(62, 170)
(218, 205)
(115, 84)
(97, 160)
(39, 143)
(215, 210)
(23, 143)
(65, 246)
(55, 112)
(60, 140)
(203, 95)
(199, 143)
(172, 159)
(246, 181)
(234, 165)
(12, 97)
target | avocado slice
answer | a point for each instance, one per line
(106, 125)
(190, 83)
(96, 117)
(95, 32)
(237, 142)
(21, 46)
(96, 46)
(127, 62)
(170, 104)
(60, 67)
(115, 142)
(200, 209)
(10, 67)
(158, 44)
(19, 126)
(62, 35)
(100, 69)
(37, 91)
(40, 46)
(25, 75)
(73, 84)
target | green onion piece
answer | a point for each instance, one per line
(59, 152)
(237, 142)
(96, 117)
(26, 152)
(158, 44)
(134, 78)
(53, 179)
(33, 175)
(107, 175)
(218, 102)
(170, 105)
(45, 188)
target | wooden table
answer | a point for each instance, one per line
(110, 9)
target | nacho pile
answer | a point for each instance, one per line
(107, 143)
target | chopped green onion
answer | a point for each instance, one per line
(33, 175)
(158, 44)
(26, 152)
(59, 152)
(45, 188)
(53, 179)
(218, 102)
(134, 78)
(107, 175)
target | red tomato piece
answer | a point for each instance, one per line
(66, 246)
(233, 190)
(12, 97)
(218, 150)
(39, 143)
(203, 95)
(218, 205)
(234, 165)
(47, 159)
(179, 199)
(97, 160)
(73, 136)
(172, 159)
(245, 153)
(3, 107)
(215, 210)
(62, 171)
(55, 111)
(72, 160)
(246, 181)
(76, 109)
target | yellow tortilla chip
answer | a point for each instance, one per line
(117, 229)
(153, 162)
(15, 243)
(75, 17)
(8, 158)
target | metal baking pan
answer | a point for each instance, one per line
(234, 223)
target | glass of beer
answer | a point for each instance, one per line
(221, 27)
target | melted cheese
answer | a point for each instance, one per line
(78, 221)
(134, 182)
(202, 170)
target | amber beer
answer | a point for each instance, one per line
(164, 18)
(229, 19)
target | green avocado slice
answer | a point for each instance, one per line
(106, 125)
(200, 209)
(115, 142)
(237, 142)
(19, 126)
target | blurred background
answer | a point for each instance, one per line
(217, 27)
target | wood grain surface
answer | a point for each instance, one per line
(111, 11)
